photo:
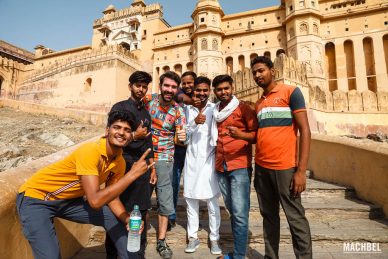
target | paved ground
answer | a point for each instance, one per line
(335, 214)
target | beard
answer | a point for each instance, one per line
(167, 99)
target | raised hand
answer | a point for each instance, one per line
(181, 133)
(141, 166)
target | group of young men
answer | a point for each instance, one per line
(150, 140)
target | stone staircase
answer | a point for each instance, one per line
(335, 214)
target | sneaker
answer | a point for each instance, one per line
(215, 248)
(227, 256)
(163, 249)
(192, 245)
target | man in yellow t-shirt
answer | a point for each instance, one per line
(70, 189)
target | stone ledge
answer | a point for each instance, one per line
(13, 245)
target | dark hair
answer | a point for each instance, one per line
(262, 60)
(189, 73)
(221, 79)
(202, 80)
(171, 75)
(116, 115)
(140, 77)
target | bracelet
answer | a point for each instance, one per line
(133, 136)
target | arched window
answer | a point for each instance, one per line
(385, 46)
(204, 44)
(241, 62)
(267, 54)
(125, 46)
(88, 85)
(165, 69)
(178, 69)
(303, 28)
(215, 44)
(370, 64)
(315, 29)
(350, 65)
(252, 56)
(190, 66)
(229, 65)
(280, 51)
(331, 66)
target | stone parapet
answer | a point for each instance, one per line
(87, 57)
(72, 236)
(96, 118)
(361, 164)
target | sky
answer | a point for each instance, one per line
(64, 24)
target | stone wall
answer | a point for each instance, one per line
(96, 118)
(72, 237)
(362, 164)
(12, 73)
(88, 81)
(352, 101)
(287, 70)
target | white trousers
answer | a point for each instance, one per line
(193, 218)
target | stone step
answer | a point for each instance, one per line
(317, 206)
(313, 188)
(254, 251)
(323, 231)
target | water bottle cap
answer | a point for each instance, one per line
(136, 207)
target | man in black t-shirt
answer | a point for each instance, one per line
(139, 192)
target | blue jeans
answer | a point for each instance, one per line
(235, 189)
(36, 217)
(179, 162)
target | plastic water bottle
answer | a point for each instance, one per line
(134, 227)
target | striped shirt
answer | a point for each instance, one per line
(276, 143)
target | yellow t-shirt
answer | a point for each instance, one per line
(62, 180)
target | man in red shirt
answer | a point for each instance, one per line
(279, 176)
(233, 131)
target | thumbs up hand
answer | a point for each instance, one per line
(200, 119)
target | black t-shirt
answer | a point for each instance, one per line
(139, 192)
(138, 113)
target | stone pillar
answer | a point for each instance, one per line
(247, 61)
(236, 65)
(340, 60)
(380, 66)
(360, 67)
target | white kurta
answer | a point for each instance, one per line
(199, 174)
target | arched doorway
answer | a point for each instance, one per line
(125, 46)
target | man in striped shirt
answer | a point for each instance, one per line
(279, 175)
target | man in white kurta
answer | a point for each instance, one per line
(200, 180)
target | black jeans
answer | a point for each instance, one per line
(272, 187)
